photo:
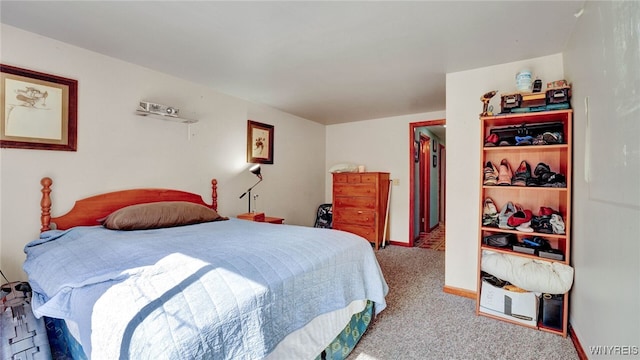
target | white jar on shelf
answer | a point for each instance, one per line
(524, 81)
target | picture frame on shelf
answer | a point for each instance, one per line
(259, 142)
(39, 111)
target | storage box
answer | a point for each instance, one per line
(527, 102)
(510, 101)
(558, 95)
(551, 254)
(534, 99)
(517, 306)
(524, 248)
(557, 84)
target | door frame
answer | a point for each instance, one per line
(425, 183)
(442, 176)
(412, 152)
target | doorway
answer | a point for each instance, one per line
(427, 180)
(424, 188)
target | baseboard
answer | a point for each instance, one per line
(460, 292)
(398, 243)
(576, 343)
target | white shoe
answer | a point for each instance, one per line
(557, 224)
(525, 227)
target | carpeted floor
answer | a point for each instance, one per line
(432, 240)
(423, 322)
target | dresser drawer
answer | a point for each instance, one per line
(361, 202)
(354, 189)
(354, 216)
(361, 178)
(367, 232)
(340, 178)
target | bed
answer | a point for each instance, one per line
(134, 274)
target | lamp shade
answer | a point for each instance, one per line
(255, 169)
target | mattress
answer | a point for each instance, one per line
(335, 329)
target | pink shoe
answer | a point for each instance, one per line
(505, 175)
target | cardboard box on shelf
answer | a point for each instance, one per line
(517, 306)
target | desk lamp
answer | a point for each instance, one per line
(255, 169)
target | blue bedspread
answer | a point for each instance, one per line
(223, 290)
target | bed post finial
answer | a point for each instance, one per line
(45, 204)
(214, 194)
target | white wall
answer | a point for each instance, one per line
(380, 145)
(464, 90)
(602, 60)
(117, 149)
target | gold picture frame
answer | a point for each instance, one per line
(39, 111)
(259, 143)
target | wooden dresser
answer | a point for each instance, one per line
(360, 204)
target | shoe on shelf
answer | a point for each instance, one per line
(539, 140)
(541, 224)
(546, 211)
(491, 140)
(524, 140)
(489, 213)
(490, 174)
(525, 227)
(537, 242)
(505, 175)
(541, 168)
(552, 137)
(523, 173)
(532, 181)
(505, 214)
(554, 180)
(519, 217)
(557, 224)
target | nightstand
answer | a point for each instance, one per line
(273, 220)
(260, 217)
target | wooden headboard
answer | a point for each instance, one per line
(87, 211)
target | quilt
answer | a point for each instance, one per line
(225, 290)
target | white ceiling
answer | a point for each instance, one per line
(326, 61)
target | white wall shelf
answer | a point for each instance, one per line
(165, 117)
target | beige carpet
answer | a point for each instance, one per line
(422, 322)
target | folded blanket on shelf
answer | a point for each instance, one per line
(529, 274)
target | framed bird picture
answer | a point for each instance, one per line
(38, 110)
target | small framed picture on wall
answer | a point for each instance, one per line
(259, 143)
